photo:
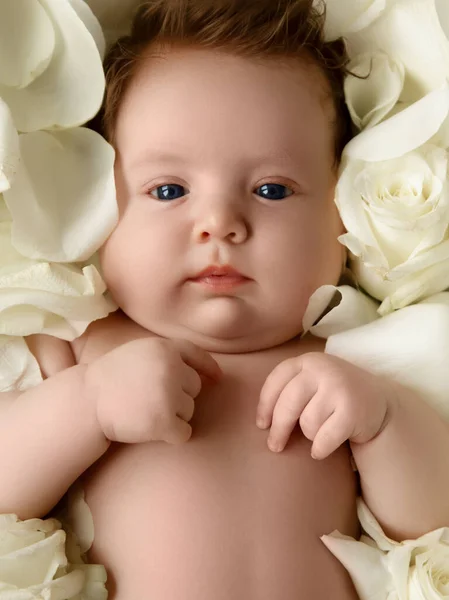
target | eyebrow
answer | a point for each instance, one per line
(176, 159)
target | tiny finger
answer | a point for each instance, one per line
(291, 403)
(276, 381)
(331, 435)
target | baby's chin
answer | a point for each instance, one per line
(223, 327)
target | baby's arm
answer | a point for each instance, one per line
(404, 470)
(400, 444)
(49, 435)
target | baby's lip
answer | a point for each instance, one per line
(219, 271)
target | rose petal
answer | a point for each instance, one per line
(91, 22)
(442, 7)
(403, 132)
(350, 309)
(370, 100)
(63, 202)
(9, 148)
(70, 91)
(40, 297)
(346, 16)
(410, 33)
(27, 42)
(19, 369)
(410, 346)
(364, 564)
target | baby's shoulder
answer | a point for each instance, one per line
(104, 335)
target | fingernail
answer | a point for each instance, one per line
(261, 422)
(274, 446)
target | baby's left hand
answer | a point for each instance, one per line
(333, 400)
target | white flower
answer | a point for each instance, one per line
(410, 33)
(370, 99)
(34, 566)
(349, 16)
(52, 75)
(44, 297)
(396, 214)
(63, 201)
(383, 569)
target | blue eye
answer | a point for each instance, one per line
(274, 191)
(172, 191)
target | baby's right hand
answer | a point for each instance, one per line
(144, 390)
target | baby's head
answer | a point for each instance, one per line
(228, 119)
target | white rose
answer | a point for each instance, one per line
(34, 566)
(429, 578)
(51, 73)
(371, 99)
(387, 570)
(411, 34)
(396, 214)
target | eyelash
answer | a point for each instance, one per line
(266, 185)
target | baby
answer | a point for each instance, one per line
(214, 442)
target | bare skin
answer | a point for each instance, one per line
(220, 516)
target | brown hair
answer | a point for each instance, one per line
(253, 28)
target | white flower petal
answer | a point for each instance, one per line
(63, 202)
(27, 42)
(40, 297)
(70, 90)
(364, 564)
(403, 132)
(19, 369)
(34, 565)
(370, 99)
(442, 7)
(91, 22)
(410, 346)
(9, 148)
(348, 309)
(347, 16)
(409, 31)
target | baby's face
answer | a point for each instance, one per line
(222, 160)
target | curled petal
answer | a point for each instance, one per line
(27, 42)
(403, 132)
(370, 99)
(63, 202)
(343, 308)
(9, 148)
(70, 90)
(364, 564)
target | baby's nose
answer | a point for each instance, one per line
(224, 224)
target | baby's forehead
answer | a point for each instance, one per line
(191, 90)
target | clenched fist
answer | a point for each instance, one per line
(144, 390)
